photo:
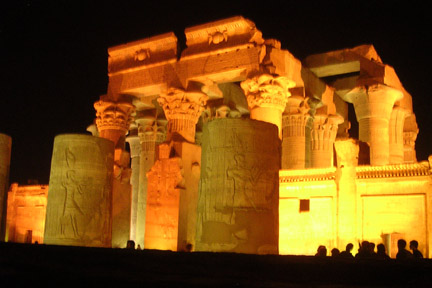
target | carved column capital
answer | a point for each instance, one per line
(267, 96)
(324, 130)
(373, 107)
(182, 110)
(268, 91)
(113, 115)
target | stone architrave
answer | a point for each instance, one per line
(182, 110)
(5, 156)
(373, 107)
(239, 194)
(163, 199)
(267, 96)
(80, 192)
(324, 132)
(294, 123)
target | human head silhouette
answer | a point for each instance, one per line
(401, 244)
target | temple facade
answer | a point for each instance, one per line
(235, 145)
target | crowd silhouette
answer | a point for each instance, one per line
(366, 250)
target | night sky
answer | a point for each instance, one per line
(54, 55)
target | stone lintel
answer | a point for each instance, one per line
(343, 59)
(318, 89)
(142, 53)
(221, 34)
(281, 62)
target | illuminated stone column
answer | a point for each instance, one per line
(135, 153)
(238, 206)
(373, 106)
(113, 120)
(151, 133)
(79, 207)
(409, 137)
(324, 130)
(5, 156)
(267, 96)
(293, 133)
(165, 180)
(347, 160)
(182, 110)
(396, 139)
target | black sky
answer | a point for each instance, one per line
(53, 55)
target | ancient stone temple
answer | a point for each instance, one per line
(235, 145)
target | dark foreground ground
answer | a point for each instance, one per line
(23, 265)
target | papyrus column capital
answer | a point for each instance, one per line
(182, 110)
(113, 115)
(373, 101)
(267, 97)
(373, 107)
(324, 130)
(267, 91)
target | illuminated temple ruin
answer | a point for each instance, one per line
(234, 145)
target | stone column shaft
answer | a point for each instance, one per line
(5, 156)
(396, 139)
(151, 133)
(294, 141)
(135, 149)
(373, 106)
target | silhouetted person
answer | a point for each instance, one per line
(139, 247)
(321, 251)
(381, 252)
(347, 252)
(371, 247)
(364, 251)
(188, 247)
(130, 244)
(403, 254)
(335, 252)
(414, 248)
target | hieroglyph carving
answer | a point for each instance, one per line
(79, 197)
(239, 185)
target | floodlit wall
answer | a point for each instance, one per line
(386, 203)
(307, 211)
(26, 213)
(395, 206)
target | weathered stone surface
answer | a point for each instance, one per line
(80, 192)
(238, 198)
(5, 156)
(165, 181)
(26, 213)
